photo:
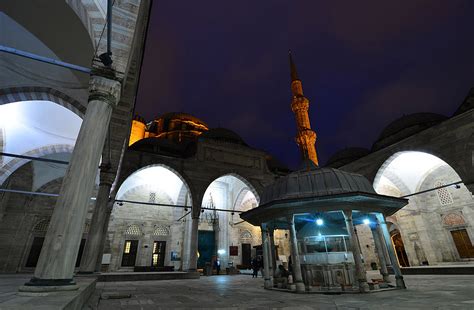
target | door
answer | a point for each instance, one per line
(159, 250)
(246, 254)
(206, 247)
(81, 250)
(463, 243)
(129, 253)
(35, 251)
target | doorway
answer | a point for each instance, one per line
(159, 250)
(246, 254)
(463, 243)
(35, 251)
(400, 249)
(206, 247)
(129, 253)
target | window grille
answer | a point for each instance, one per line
(133, 230)
(152, 198)
(246, 235)
(41, 226)
(444, 195)
(161, 231)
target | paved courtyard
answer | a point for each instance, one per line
(243, 292)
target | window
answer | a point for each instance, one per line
(152, 198)
(444, 195)
(161, 231)
(127, 247)
(41, 226)
(133, 230)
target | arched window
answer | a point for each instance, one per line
(41, 226)
(133, 230)
(444, 195)
(152, 198)
(161, 231)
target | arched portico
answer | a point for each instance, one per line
(152, 198)
(434, 189)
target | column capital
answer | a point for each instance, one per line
(104, 89)
(290, 219)
(347, 215)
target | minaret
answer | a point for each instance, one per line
(305, 137)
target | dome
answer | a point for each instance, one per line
(306, 183)
(406, 126)
(180, 116)
(346, 156)
(223, 134)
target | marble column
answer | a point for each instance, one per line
(271, 244)
(99, 218)
(391, 252)
(105, 228)
(361, 274)
(295, 257)
(193, 244)
(379, 248)
(56, 263)
(266, 257)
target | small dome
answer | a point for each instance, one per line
(346, 156)
(223, 134)
(180, 116)
(306, 183)
(406, 126)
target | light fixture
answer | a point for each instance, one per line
(366, 221)
(319, 222)
(220, 251)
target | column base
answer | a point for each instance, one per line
(400, 282)
(300, 288)
(37, 285)
(363, 286)
(268, 284)
(386, 278)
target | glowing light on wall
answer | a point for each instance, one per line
(319, 222)
(405, 171)
(159, 177)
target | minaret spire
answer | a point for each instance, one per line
(305, 137)
(294, 74)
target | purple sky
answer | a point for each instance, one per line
(363, 64)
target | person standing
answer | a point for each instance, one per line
(255, 267)
(217, 266)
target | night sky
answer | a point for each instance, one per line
(363, 64)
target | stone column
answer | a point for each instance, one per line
(379, 248)
(55, 266)
(105, 228)
(361, 274)
(386, 236)
(266, 257)
(193, 244)
(295, 257)
(271, 244)
(99, 218)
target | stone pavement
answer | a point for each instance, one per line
(244, 292)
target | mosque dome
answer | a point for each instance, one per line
(311, 181)
(178, 127)
(223, 134)
(346, 156)
(406, 126)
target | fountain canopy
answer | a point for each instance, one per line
(311, 190)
